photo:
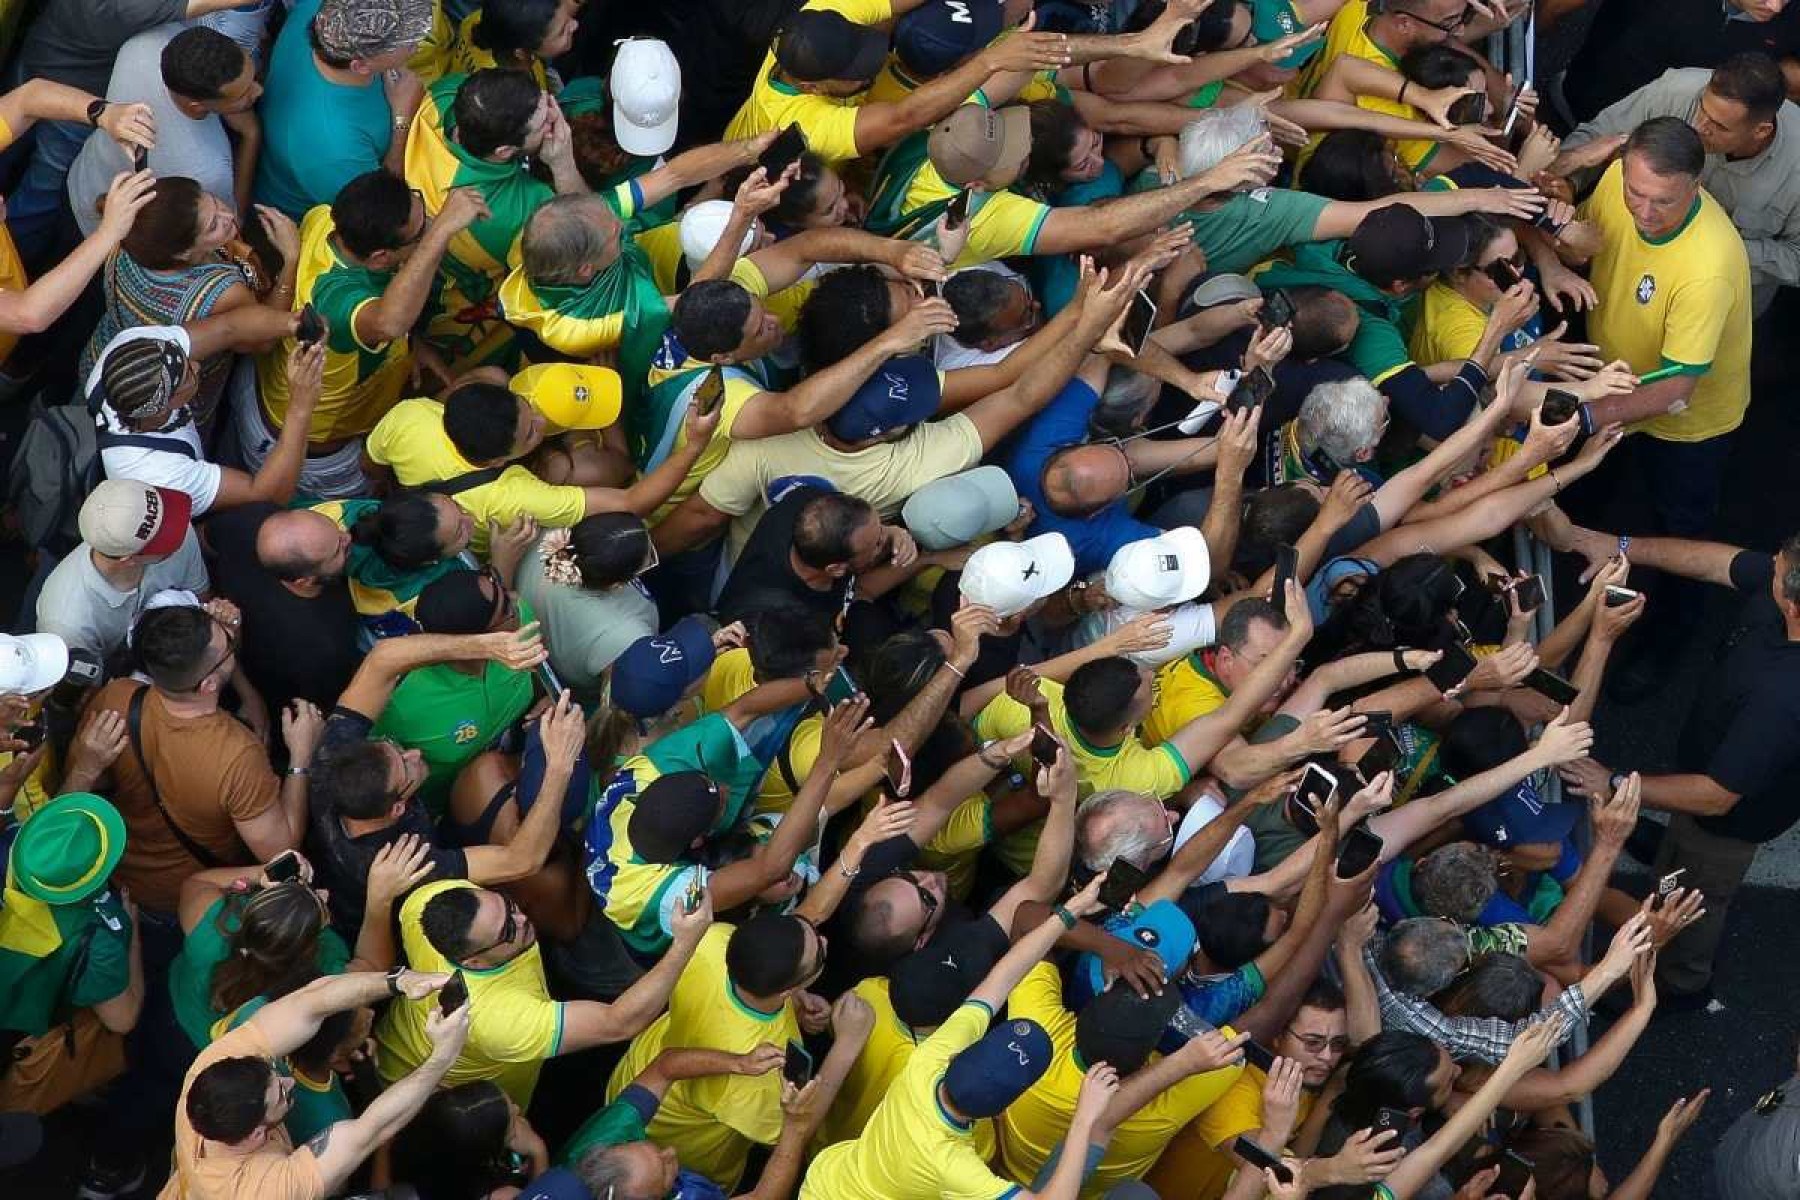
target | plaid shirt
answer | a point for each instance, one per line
(1482, 1038)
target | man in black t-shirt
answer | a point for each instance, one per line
(816, 550)
(1739, 749)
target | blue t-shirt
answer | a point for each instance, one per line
(317, 135)
(1064, 422)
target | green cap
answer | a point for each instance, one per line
(68, 849)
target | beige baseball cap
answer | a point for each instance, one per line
(975, 142)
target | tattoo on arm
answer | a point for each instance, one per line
(320, 1140)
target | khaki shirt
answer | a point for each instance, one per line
(1761, 194)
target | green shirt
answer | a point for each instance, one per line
(190, 975)
(316, 1106)
(451, 717)
(1252, 226)
(1379, 348)
(618, 1123)
(90, 965)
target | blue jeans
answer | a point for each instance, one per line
(33, 208)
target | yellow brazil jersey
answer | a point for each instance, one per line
(1034, 1125)
(894, 85)
(1348, 33)
(662, 246)
(516, 1025)
(1677, 301)
(1185, 689)
(362, 380)
(1198, 1164)
(890, 1047)
(912, 1149)
(710, 1122)
(634, 888)
(829, 122)
(410, 441)
(1448, 328)
(12, 270)
(956, 850)
(450, 49)
(1130, 765)
(1001, 224)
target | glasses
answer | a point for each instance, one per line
(231, 646)
(423, 224)
(926, 899)
(1317, 1043)
(509, 928)
(1454, 27)
(506, 605)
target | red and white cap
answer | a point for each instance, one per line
(123, 517)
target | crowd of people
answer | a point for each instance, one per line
(894, 599)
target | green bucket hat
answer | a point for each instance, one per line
(68, 849)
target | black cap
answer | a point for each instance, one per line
(819, 45)
(455, 604)
(1121, 1028)
(670, 813)
(1397, 242)
(930, 984)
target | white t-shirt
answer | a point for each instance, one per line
(948, 354)
(1239, 856)
(171, 469)
(79, 605)
(1194, 626)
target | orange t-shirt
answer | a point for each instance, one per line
(277, 1171)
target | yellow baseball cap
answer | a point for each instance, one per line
(570, 395)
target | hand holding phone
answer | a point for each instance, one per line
(1252, 388)
(782, 153)
(1360, 850)
(1044, 746)
(1261, 1159)
(797, 1065)
(1140, 322)
(1451, 668)
(1529, 594)
(711, 391)
(958, 210)
(311, 329)
(1277, 310)
(1124, 879)
(1559, 406)
(282, 867)
(1552, 686)
(453, 995)
(1619, 597)
(1287, 564)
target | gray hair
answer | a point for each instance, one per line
(1422, 955)
(1455, 881)
(1216, 133)
(1344, 419)
(1126, 396)
(1129, 840)
(564, 235)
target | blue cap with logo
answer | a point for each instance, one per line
(1160, 926)
(938, 36)
(997, 1070)
(1522, 817)
(653, 673)
(903, 391)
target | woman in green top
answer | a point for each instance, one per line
(251, 936)
(319, 1098)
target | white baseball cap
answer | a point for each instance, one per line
(1010, 577)
(1171, 568)
(646, 90)
(31, 662)
(702, 225)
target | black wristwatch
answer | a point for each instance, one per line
(393, 980)
(95, 111)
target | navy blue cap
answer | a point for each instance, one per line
(650, 677)
(1521, 818)
(903, 391)
(938, 36)
(997, 1070)
(558, 1183)
(819, 45)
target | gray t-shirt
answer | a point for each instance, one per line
(198, 150)
(80, 606)
(74, 41)
(585, 630)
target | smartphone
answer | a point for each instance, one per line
(1470, 110)
(1530, 593)
(1253, 387)
(1124, 879)
(1140, 320)
(1512, 113)
(1384, 755)
(1044, 746)
(1515, 1173)
(140, 159)
(283, 867)
(1377, 723)
(1360, 850)
(81, 677)
(782, 153)
(1277, 310)
(711, 391)
(311, 330)
(32, 732)
(453, 995)
(1558, 406)
(1396, 1119)
(1317, 786)
(797, 1066)
(1503, 273)
(1261, 1159)
(958, 211)
(1618, 597)
(1451, 668)
(1552, 686)
(1259, 1056)
(1287, 563)
(696, 892)
(903, 785)
(1668, 883)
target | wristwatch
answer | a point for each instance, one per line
(1617, 781)
(95, 110)
(393, 980)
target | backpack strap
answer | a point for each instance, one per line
(463, 482)
(134, 726)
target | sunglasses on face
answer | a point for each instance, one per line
(506, 605)
(509, 927)
(926, 900)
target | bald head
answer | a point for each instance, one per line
(569, 240)
(1082, 480)
(299, 544)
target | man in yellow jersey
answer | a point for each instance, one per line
(1384, 34)
(1097, 714)
(455, 925)
(1200, 681)
(1268, 1108)
(1673, 281)
(469, 444)
(744, 988)
(982, 152)
(368, 266)
(920, 1143)
(818, 73)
